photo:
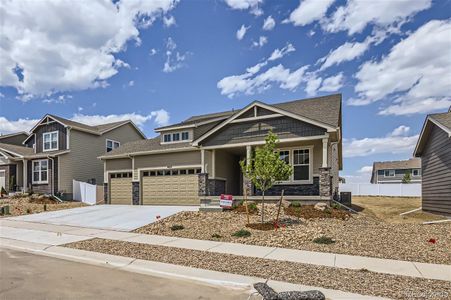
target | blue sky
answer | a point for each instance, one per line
(161, 62)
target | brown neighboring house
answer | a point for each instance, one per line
(58, 151)
(13, 138)
(199, 157)
(434, 148)
(394, 171)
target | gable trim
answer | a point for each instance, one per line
(125, 123)
(193, 125)
(420, 139)
(268, 107)
(39, 123)
(8, 151)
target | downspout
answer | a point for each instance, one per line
(52, 184)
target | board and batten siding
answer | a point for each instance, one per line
(436, 168)
(41, 129)
(81, 163)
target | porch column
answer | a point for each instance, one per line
(247, 184)
(25, 175)
(202, 160)
(213, 163)
(325, 141)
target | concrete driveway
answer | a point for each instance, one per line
(110, 217)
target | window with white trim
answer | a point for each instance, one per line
(167, 138)
(416, 172)
(111, 145)
(285, 156)
(301, 161)
(185, 135)
(176, 137)
(50, 141)
(389, 173)
(40, 171)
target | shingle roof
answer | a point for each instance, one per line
(146, 145)
(99, 129)
(443, 118)
(325, 109)
(413, 163)
(14, 149)
(4, 136)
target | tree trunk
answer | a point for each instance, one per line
(263, 207)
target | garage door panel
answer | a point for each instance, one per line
(121, 191)
(170, 190)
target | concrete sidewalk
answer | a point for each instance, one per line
(45, 234)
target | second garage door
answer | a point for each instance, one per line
(121, 188)
(170, 190)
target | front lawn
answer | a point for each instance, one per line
(25, 205)
(362, 235)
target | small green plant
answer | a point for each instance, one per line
(45, 207)
(242, 233)
(252, 207)
(295, 204)
(325, 240)
(335, 206)
(216, 236)
(407, 178)
(177, 227)
(28, 211)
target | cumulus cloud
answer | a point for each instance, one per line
(396, 142)
(153, 51)
(279, 53)
(365, 169)
(240, 33)
(174, 59)
(355, 15)
(261, 42)
(46, 47)
(332, 84)
(269, 23)
(7, 126)
(346, 52)
(413, 72)
(309, 11)
(251, 5)
(169, 21)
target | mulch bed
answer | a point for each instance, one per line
(242, 209)
(261, 226)
(309, 212)
(26, 205)
(355, 281)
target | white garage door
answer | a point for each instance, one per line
(170, 187)
(121, 188)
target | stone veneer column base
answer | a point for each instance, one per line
(135, 193)
(105, 193)
(325, 182)
(203, 184)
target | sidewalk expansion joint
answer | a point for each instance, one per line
(270, 252)
(214, 246)
(415, 265)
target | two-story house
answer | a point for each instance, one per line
(199, 158)
(58, 151)
(395, 171)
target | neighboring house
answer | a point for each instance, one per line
(57, 151)
(199, 157)
(394, 171)
(13, 138)
(434, 148)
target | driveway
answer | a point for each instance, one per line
(110, 217)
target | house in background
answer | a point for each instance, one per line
(14, 138)
(434, 148)
(57, 151)
(199, 157)
(394, 171)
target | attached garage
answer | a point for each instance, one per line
(170, 187)
(121, 188)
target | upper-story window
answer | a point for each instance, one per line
(167, 138)
(185, 135)
(176, 137)
(389, 173)
(50, 141)
(110, 145)
(416, 172)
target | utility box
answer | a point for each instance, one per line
(346, 198)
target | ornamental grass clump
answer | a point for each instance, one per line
(325, 240)
(242, 233)
(177, 227)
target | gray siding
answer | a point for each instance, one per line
(168, 159)
(14, 139)
(284, 127)
(45, 188)
(436, 165)
(62, 136)
(399, 175)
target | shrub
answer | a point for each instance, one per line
(216, 236)
(324, 240)
(28, 211)
(177, 227)
(45, 207)
(242, 233)
(295, 204)
(252, 206)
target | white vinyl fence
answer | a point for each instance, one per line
(85, 192)
(389, 189)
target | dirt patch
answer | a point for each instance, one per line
(26, 205)
(359, 235)
(262, 226)
(355, 281)
(242, 209)
(309, 212)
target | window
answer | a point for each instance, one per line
(167, 138)
(176, 137)
(389, 173)
(285, 155)
(40, 171)
(301, 164)
(416, 172)
(110, 145)
(185, 136)
(50, 140)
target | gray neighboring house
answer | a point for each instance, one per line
(57, 151)
(394, 171)
(199, 157)
(13, 138)
(434, 148)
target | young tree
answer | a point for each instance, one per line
(266, 168)
(406, 178)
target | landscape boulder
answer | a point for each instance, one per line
(320, 206)
(269, 294)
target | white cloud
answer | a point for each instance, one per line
(61, 99)
(174, 59)
(261, 42)
(169, 21)
(279, 53)
(252, 5)
(346, 52)
(416, 73)
(131, 83)
(395, 142)
(309, 11)
(357, 14)
(7, 126)
(240, 33)
(2, 95)
(269, 23)
(313, 84)
(46, 47)
(80, 108)
(332, 84)
(365, 169)
(153, 51)
(159, 117)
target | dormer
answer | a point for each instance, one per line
(177, 136)
(48, 135)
